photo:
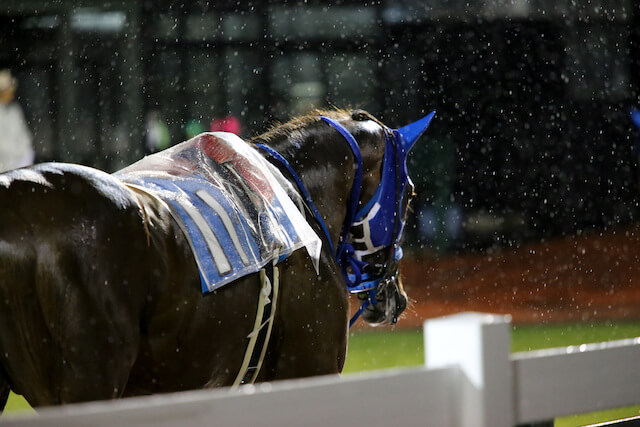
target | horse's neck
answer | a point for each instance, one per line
(327, 171)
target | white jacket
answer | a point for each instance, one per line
(16, 149)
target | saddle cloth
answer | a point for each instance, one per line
(236, 209)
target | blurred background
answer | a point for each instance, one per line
(527, 179)
(533, 143)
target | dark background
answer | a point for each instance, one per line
(532, 137)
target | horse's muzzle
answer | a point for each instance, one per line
(391, 302)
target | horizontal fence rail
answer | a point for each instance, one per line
(564, 381)
(469, 379)
(383, 398)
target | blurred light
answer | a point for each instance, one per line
(98, 21)
(41, 22)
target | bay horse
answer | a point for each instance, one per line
(100, 296)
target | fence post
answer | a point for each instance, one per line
(479, 344)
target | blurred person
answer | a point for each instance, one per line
(226, 124)
(193, 128)
(635, 117)
(157, 133)
(16, 148)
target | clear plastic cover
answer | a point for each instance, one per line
(237, 210)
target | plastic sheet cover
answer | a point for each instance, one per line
(237, 210)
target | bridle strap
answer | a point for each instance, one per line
(344, 254)
(354, 196)
(298, 181)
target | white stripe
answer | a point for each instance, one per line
(263, 300)
(276, 285)
(367, 238)
(219, 257)
(372, 212)
(366, 231)
(226, 220)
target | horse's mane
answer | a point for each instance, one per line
(281, 131)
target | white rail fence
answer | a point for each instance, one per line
(469, 379)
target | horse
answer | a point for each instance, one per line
(100, 295)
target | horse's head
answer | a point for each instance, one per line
(368, 249)
(373, 243)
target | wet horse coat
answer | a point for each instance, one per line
(100, 295)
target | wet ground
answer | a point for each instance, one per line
(589, 277)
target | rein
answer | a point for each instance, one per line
(298, 181)
(354, 196)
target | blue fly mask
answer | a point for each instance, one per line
(378, 226)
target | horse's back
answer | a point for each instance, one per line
(60, 311)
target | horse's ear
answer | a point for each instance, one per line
(412, 132)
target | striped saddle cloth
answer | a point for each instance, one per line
(237, 210)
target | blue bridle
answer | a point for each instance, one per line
(379, 224)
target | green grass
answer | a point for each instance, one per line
(374, 350)
(533, 337)
(369, 351)
(16, 403)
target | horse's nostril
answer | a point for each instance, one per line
(401, 304)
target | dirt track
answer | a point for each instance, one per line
(594, 276)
